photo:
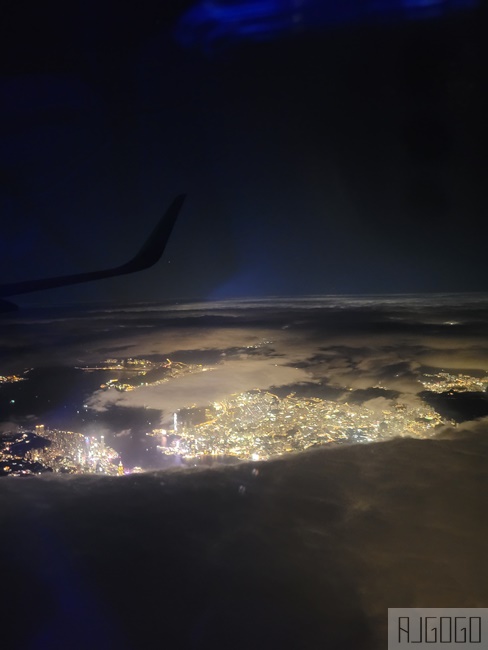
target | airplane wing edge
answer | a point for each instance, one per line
(147, 256)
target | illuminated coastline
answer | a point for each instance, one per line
(252, 425)
(258, 425)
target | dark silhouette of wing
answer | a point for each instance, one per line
(146, 257)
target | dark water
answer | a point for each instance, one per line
(459, 407)
(56, 396)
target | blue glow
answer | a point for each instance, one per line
(212, 23)
(243, 10)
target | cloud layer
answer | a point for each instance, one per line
(307, 551)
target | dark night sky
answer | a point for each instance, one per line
(346, 158)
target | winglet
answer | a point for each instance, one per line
(155, 244)
(149, 254)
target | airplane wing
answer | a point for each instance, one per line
(146, 257)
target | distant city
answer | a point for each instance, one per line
(445, 382)
(140, 368)
(252, 425)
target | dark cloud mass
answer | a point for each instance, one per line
(310, 555)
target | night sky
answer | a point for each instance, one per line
(325, 147)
